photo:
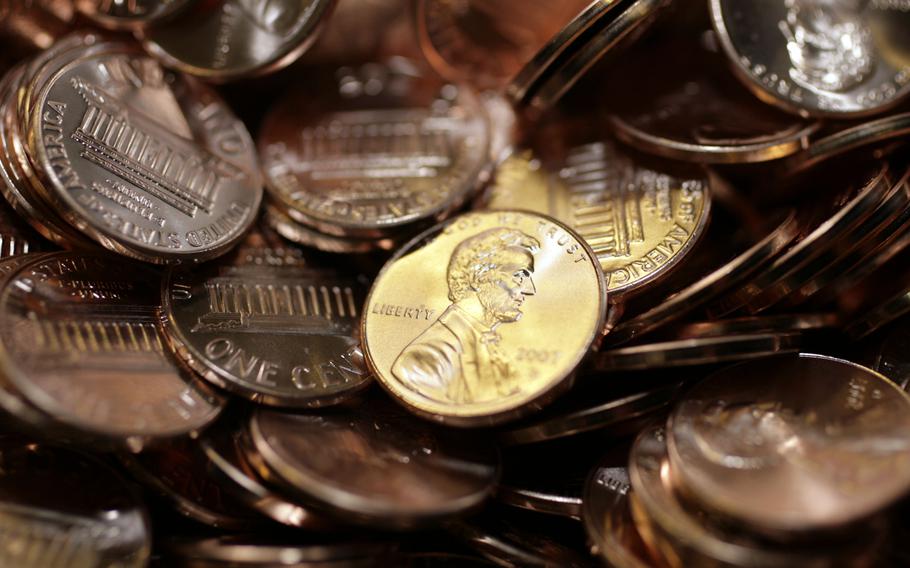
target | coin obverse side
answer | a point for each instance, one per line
(150, 164)
(80, 341)
(371, 150)
(817, 57)
(639, 222)
(270, 326)
(88, 517)
(465, 325)
(375, 464)
(776, 443)
(231, 39)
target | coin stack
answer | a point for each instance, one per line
(490, 283)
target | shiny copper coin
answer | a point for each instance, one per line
(608, 519)
(121, 14)
(81, 343)
(271, 326)
(617, 26)
(701, 351)
(177, 472)
(263, 551)
(684, 536)
(488, 43)
(178, 184)
(785, 443)
(712, 285)
(639, 222)
(521, 540)
(374, 465)
(90, 516)
(231, 39)
(695, 110)
(463, 325)
(819, 58)
(279, 221)
(224, 449)
(364, 152)
(772, 283)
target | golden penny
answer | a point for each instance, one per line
(466, 324)
(639, 222)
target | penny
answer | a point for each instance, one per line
(224, 449)
(695, 110)
(177, 186)
(17, 180)
(462, 325)
(872, 242)
(89, 517)
(639, 222)
(375, 465)
(528, 484)
(891, 359)
(80, 342)
(783, 323)
(712, 285)
(287, 227)
(232, 39)
(607, 518)
(767, 287)
(521, 540)
(116, 14)
(700, 351)
(489, 43)
(586, 416)
(277, 328)
(366, 151)
(840, 59)
(686, 537)
(866, 134)
(177, 472)
(261, 551)
(621, 24)
(787, 427)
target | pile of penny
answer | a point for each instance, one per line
(426, 283)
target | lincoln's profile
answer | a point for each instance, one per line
(458, 358)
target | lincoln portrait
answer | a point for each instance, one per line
(459, 358)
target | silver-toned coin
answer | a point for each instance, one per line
(263, 551)
(803, 430)
(177, 471)
(118, 14)
(272, 326)
(375, 465)
(367, 151)
(819, 58)
(60, 507)
(147, 163)
(232, 39)
(80, 341)
(224, 450)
